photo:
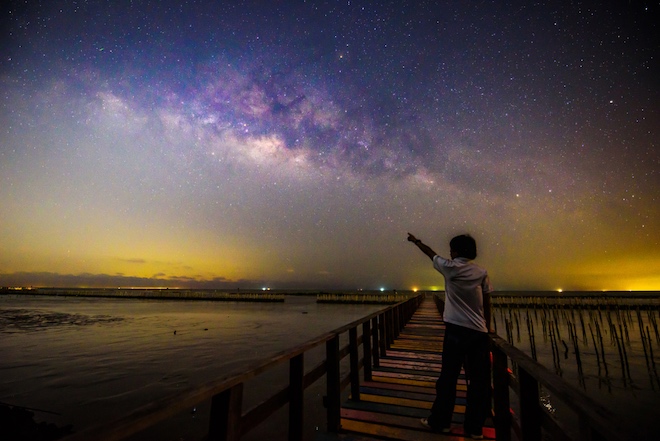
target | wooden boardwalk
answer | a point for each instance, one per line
(402, 388)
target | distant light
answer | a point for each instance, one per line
(414, 289)
(382, 289)
(560, 290)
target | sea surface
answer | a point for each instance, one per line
(83, 361)
(89, 360)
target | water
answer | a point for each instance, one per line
(92, 360)
(626, 382)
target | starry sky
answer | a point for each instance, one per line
(293, 144)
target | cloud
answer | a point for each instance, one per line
(134, 260)
(88, 280)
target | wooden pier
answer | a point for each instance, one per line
(402, 387)
(390, 363)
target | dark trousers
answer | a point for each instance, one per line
(468, 348)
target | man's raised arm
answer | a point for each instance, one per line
(425, 248)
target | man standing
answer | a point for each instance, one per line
(467, 319)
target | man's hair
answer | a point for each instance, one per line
(464, 245)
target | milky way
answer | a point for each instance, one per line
(294, 144)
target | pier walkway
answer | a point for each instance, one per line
(400, 362)
(402, 387)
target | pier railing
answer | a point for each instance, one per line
(525, 378)
(229, 422)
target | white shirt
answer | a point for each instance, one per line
(465, 286)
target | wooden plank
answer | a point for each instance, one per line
(324, 436)
(394, 432)
(398, 393)
(407, 364)
(387, 409)
(412, 382)
(396, 375)
(399, 421)
(414, 355)
(383, 388)
(394, 386)
(383, 371)
(402, 402)
(427, 395)
(432, 364)
(379, 418)
(396, 401)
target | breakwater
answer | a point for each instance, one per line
(342, 297)
(154, 294)
(363, 298)
(598, 301)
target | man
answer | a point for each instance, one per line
(467, 319)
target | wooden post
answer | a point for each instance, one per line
(354, 363)
(389, 327)
(501, 395)
(376, 346)
(383, 338)
(225, 417)
(587, 431)
(333, 385)
(530, 408)
(366, 347)
(296, 397)
(396, 314)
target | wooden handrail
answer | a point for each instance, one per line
(227, 420)
(595, 421)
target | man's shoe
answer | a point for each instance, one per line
(425, 423)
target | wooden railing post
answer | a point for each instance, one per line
(383, 336)
(587, 431)
(389, 326)
(333, 385)
(501, 401)
(530, 407)
(225, 417)
(296, 397)
(397, 320)
(366, 348)
(354, 363)
(376, 345)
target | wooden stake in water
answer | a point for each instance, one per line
(654, 323)
(593, 339)
(602, 352)
(615, 335)
(625, 354)
(648, 336)
(532, 342)
(578, 360)
(584, 331)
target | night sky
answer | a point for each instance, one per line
(291, 144)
